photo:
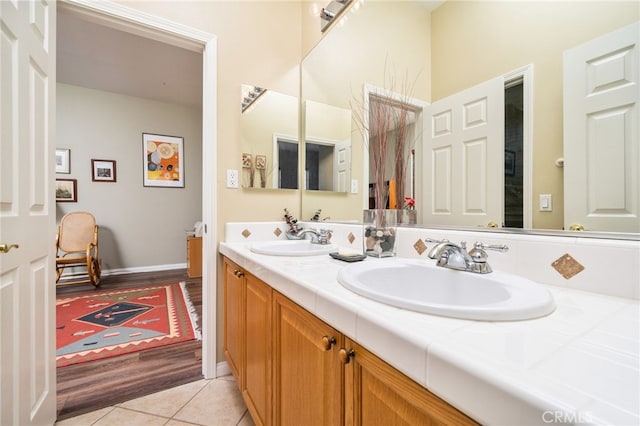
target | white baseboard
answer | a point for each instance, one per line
(153, 268)
(222, 369)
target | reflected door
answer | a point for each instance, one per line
(464, 157)
(601, 132)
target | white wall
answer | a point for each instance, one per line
(139, 226)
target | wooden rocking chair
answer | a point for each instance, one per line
(77, 247)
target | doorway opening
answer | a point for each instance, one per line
(514, 154)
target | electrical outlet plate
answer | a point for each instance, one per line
(354, 186)
(232, 178)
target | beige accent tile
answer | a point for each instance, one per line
(277, 232)
(246, 233)
(85, 419)
(351, 237)
(567, 266)
(420, 246)
(168, 402)
(123, 417)
(218, 403)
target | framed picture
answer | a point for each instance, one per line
(247, 162)
(63, 156)
(66, 190)
(261, 162)
(163, 161)
(103, 170)
(509, 163)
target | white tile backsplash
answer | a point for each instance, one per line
(611, 267)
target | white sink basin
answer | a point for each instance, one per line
(421, 286)
(292, 248)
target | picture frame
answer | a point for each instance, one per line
(103, 170)
(66, 190)
(261, 162)
(63, 160)
(247, 161)
(163, 161)
(509, 163)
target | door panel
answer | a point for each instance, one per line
(601, 131)
(465, 157)
(27, 212)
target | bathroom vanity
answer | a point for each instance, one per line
(293, 368)
(291, 327)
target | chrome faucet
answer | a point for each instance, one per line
(323, 236)
(454, 256)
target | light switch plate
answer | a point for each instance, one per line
(546, 203)
(354, 186)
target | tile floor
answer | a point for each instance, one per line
(203, 403)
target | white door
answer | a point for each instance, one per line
(27, 213)
(463, 157)
(342, 166)
(601, 131)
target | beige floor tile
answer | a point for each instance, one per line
(246, 420)
(123, 417)
(173, 422)
(218, 403)
(85, 419)
(168, 402)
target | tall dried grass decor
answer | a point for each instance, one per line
(389, 142)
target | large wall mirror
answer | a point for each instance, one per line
(269, 132)
(439, 49)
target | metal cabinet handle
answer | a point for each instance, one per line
(346, 355)
(238, 273)
(4, 248)
(328, 342)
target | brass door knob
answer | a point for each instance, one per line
(346, 355)
(328, 342)
(4, 248)
(492, 224)
(576, 227)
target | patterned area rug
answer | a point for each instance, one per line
(108, 323)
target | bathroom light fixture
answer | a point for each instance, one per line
(329, 13)
(251, 96)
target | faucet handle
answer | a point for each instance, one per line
(478, 253)
(502, 248)
(431, 240)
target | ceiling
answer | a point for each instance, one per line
(98, 57)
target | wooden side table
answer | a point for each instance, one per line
(194, 257)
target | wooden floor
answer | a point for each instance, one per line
(96, 384)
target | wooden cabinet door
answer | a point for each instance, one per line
(378, 394)
(308, 374)
(258, 350)
(233, 317)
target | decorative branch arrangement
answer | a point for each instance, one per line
(388, 134)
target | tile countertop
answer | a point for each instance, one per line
(580, 364)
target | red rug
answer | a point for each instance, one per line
(108, 323)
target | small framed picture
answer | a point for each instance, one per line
(103, 170)
(247, 161)
(163, 161)
(66, 190)
(63, 156)
(261, 162)
(509, 163)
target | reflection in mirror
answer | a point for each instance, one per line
(327, 147)
(464, 44)
(269, 129)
